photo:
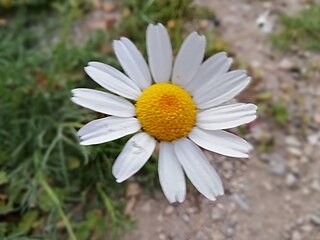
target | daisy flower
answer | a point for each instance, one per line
(180, 106)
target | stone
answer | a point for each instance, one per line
(308, 149)
(276, 163)
(217, 214)
(159, 229)
(305, 191)
(296, 235)
(185, 217)
(192, 210)
(204, 24)
(160, 218)
(292, 141)
(315, 219)
(162, 236)
(133, 189)
(294, 151)
(228, 230)
(286, 64)
(201, 236)
(292, 180)
(316, 118)
(313, 139)
(146, 207)
(304, 160)
(307, 228)
(315, 184)
(265, 157)
(241, 201)
(288, 198)
(169, 210)
(268, 186)
(268, 4)
(264, 22)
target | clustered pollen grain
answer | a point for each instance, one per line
(166, 111)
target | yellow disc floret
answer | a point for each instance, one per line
(166, 111)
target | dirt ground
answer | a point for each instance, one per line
(273, 195)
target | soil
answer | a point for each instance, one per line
(275, 194)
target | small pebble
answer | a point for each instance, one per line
(162, 236)
(228, 230)
(169, 210)
(315, 185)
(313, 139)
(295, 151)
(185, 217)
(291, 180)
(241, 201)
(146, 207)
(133, 189)
(292, 141)
(315, 220)
(216, 214)
(307, 228)
(204, 24)
(286, 64)
(192, 210)
(201, 236)
(296, 235)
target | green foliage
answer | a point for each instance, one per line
(302, 29)
(174, 14)
(44, 169)
(277, 110)
(52, 187)
(280, 113)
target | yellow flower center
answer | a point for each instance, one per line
(166, 111)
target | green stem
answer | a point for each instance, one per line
(107, 203)
(56, 202)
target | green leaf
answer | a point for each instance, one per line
(5, 208)
(3, 177)
(280, 113)
(3, 228)
(73, 163)
(26, 222)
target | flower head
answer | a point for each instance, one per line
(181, 107)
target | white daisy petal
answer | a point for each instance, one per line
(224, 88)
(107, 129)
(227, 116)
(209, 70)
(202, 175)
(159, 52)
(103, 102)
(220, 80)
(171, 175)
(111, 83)
(134, 155)
(189, 59)
(132, 62)
(220, 141)
(116, 74)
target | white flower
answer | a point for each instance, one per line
(179, 107)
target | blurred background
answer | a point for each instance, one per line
(53, 188)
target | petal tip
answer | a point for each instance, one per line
(119, 180)
(88, 69)
(180, 199)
